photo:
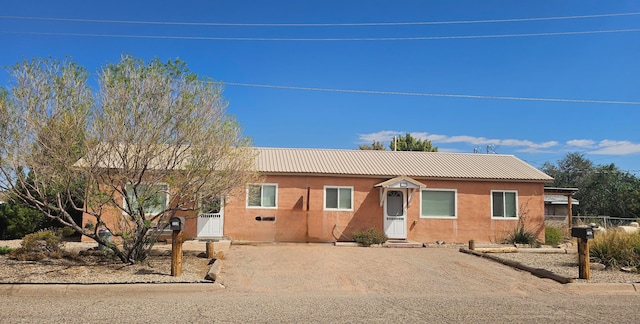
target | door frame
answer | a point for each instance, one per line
(404, 213)
(201, 223)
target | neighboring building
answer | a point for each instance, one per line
(556, 204)
(323, 195)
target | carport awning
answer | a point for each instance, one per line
(401, 182)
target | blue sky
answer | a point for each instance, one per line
(595, 67)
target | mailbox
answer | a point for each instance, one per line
(176, 223)
(582, 232)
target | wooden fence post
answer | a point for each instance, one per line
(584, 267)
(210, 251)
(176, 253)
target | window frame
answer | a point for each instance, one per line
(324, 201)
(504, 205)
(261, 196)
(167, 197)
(455, 203)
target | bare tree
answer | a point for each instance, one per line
(149, 143)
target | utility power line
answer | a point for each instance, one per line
(422, 94)
(451, 22)
(609, 31)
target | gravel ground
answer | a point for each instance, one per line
(567, 265)
(157, 268)
(91, 269)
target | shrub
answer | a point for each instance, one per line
(38, 246)
(553, 235)
(5, 250)
(616, 249)
(369, 237)
(520, 235)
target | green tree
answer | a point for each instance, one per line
(17, 221)
(151, 140)
(610, 191)
(571, 171)
(409, 143)
(376, 146)
(602, 189)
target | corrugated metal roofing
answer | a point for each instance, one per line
(559, 200)
(388, 164)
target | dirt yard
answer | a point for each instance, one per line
(77, 268)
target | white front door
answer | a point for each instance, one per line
(211, 220)
(395, 215)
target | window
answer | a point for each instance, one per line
(438, 203)
(210, 205)
(338, 198)
(262, 195)
(153, 197)
(504, 204)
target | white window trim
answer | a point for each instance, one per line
(324, 200)
(124, 201)
(455, 205)
(261, 207)
(504, 217)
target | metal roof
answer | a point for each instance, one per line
(559, 200)
(438, 165)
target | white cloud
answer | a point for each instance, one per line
(581, 143)
(603, 147)
(435, 138)
(381, 136)
(387, 136)
(609, 147)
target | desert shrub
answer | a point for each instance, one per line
(5, 250)
(66, 231)
(38, 246)
(53, 240)
(369, 237)
(553, 235)
(616, 249)
(521, 235)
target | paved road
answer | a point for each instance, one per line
(314, 283)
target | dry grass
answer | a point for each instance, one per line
(616, 249)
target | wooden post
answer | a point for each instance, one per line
(210, 252)
(569, 211)
(176, 253)
(472, 245)
(584, 267)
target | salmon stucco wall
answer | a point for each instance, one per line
(473, 220)
(300, 215)
(115, 220)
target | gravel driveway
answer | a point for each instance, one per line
(324, 268)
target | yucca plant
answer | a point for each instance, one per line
(521, 235)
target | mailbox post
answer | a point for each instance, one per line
(176, 224)
(583, 233)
